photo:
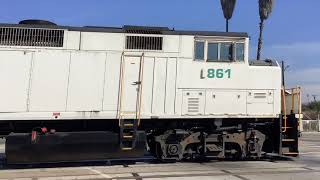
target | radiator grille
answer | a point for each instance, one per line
(143, 31)
(31, 37)
(144, 42)
(193, 105)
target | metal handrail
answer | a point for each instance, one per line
(284, 109)
(121, 90)
(294, 92)
(141, 72)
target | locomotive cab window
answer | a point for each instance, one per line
(239, 51)
(213, 52)
(226, 52)
(208, 51)
(199, 51)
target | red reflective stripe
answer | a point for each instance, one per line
(44, 130)
(33, 136)
(56, 114)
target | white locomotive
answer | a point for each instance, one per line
(192, 93)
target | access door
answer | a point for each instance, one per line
(15, 70)
(131, 86)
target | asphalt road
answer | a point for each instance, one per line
(306, 167)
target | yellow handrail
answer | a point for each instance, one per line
(299, 105)
(284, 109)
(138, 114)
(294, 92)
(120, 88)
(292, 100)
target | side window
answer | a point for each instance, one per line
(213, 52)
(199, 51)
(226, 52)
(240, 51)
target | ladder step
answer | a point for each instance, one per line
(127, 137)
(128, 125)
(291, 153)
(128, 130)
(288, 140)
(127, 113)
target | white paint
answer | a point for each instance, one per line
(81, 81)
(170, 93)
(130, 88)
(222, 101)
(147, 86)
(159, 76)
(72, 40)
(186, 46)
(111, 83)
(170, 44)
(86, 78)
(15, 67)
(49, 81)
(97, 41)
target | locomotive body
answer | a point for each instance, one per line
(191, 93)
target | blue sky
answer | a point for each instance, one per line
(291, 33)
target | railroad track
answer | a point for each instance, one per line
(146, 159)
(148, 167)
(178, 170)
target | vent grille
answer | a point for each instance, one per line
(31, 37)
(144, 43)
(260, 95)
(193, 105)
(143, 31)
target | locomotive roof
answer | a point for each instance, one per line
(132, 29)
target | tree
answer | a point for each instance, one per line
(228, 8)
(265, 9)
(312, 109)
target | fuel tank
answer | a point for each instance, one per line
(22, 148)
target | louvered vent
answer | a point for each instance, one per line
(144, 42)
(144, 29)
(260, 95)
(193, 105)
(31, 37)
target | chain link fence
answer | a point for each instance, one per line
(310, 125)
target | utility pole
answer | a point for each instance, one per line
(284, 69)
(282, 72)
(315, 97)
(318, 122)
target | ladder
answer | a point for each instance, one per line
(289, 136)
(289, 123)
(128, 134)
(128, 127)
